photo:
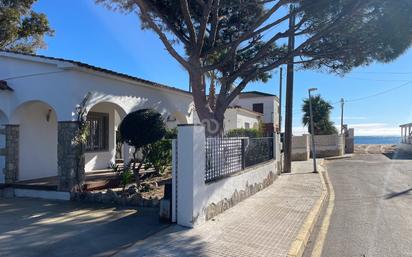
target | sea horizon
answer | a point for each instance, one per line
(376, 140)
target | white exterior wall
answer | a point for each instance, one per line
(270, 107)
(63, 86)
(37, 142)
(193, 194)
(236, 118)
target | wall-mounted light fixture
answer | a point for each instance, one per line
(48, 115)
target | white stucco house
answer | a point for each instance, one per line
(265, 104)
(38, 100)
(239, 117)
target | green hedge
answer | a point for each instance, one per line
(251, 133)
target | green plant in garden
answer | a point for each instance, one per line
(140, 129)
(160, 153)
(126, 175)
(242, 132)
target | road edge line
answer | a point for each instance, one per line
(324, 228)
(299, 244)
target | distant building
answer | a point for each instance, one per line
(239, 117)
(264, 103)
(406, 137)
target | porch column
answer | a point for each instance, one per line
(67, 149)
(11, 152)
(401, 134)
(126, 153)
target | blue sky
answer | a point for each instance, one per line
(92, 34)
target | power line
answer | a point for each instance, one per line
(376, 94)
(378, 80)
(381, 72)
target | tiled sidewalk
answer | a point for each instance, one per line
(262, 225)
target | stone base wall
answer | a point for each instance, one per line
(114, 198)
(216, 208)
(300, 156)
(12, 153)
(70, 177)
(327, 153)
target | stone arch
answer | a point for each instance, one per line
(113, 113)
(37, 122)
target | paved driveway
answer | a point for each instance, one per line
(373, 207)
(31, 227)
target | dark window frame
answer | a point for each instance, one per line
(97, 124)
(258, 107)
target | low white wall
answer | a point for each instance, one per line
(326, 146)
(198, 201)
(300, 148)
(330, 145)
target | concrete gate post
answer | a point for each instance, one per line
(191, 159)
(67, 151)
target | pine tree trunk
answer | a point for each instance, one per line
(212, 120)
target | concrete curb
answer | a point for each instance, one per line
(299, 244)
(346, 156)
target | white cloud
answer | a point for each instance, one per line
(375, 129)
(362, 129)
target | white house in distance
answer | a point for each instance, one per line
(39, 99)
(239, 117)
(265, 104)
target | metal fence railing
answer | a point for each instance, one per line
(226, 156)
(258, 150)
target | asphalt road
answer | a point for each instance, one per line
(373, 207)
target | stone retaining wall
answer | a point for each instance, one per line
(114, 198)
(216, 208)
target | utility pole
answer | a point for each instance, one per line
(342, 103)
(280, 99)
(287, 142)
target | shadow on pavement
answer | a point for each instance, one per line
(397, 194)
(175, 241)
(32, 227)
(396, 155)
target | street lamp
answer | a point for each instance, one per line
(312, 130)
